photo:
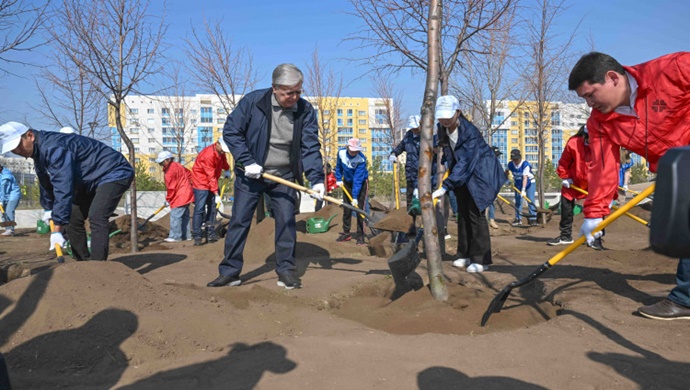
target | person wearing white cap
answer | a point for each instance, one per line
(79, 178)
(178, 182)
(476, 177)
(410, 146)
(208, 167)
(351, 172)
(273, 130)
(67, 130)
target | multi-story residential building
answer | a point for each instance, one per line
(184, 125)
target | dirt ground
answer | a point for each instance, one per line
(148, 321)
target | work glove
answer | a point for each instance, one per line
(320, 191)
(392, 158)
(567, 182)
(253, 171)
(586, 230)
(439, 193)
(523, 194)
(167, 204)
(56, 238)
(338, 184)
(219, 201)
(47, 216)
(415, 193)
(355, 203)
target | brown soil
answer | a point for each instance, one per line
(147, 321)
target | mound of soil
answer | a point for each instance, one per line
(150, 235)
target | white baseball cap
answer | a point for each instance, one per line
(446, 107)
(11, 135)
(164, 155)
(223, 145)
(67, 130)
(413, 122)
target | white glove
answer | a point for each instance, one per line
(219, 201)
(47, 216)
(523, 194)
(415, 193)
(392, 158)
(439, 193)
(567, 182)
(167, 204)
(338, 184)
(253, 171)
(56, 238)
(320, 191)
(355, 203)
(586, 230)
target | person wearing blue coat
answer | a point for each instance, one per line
(11, 194)
(476, 177)
(410, 146)
(352, 174)
(79, 178)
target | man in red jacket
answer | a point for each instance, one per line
(572, 168)
(646, 109)
(206, 171)
(178, 182)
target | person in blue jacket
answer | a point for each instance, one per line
(476, 177)
(79, 178)
(352, 174)
(273, 130)
(526, 184)
(624, 175)
(410, 146)
(11, 194)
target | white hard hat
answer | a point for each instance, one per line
(67, 130)
(164, 155)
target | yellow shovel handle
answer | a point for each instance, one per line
(635, 217)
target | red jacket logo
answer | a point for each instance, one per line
(659, 105)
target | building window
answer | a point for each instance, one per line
(349, 112)
(152, 140)
(514, 140)
(349, 122)
(340, 112)
(136, 150)
(134, 110)
(165, 112)
(152, 150)
(340, 121)
(135, 140)
(326, 112)
(362, 122)
(134, 130)
(514, 132)
(362, 131)
(150, 111)
(362, 113)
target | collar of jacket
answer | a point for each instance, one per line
(264, 104)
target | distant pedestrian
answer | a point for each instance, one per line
(525, 185)
(352, 174)
(11, 195)
(178, 182)
(624, 175)
(208, 167)
(410, 146)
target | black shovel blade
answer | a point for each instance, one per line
(497, 303)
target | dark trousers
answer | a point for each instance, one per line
(566, 224)
(408, 194)
(247, 194)
(681, 293)
(347, 215)
(97, 207)
(474, 241)
(204, 211)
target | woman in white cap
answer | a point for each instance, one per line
(476, 177)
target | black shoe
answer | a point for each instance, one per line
(344, 237)
(197, 242)
(533, 222)
(560, 241)
(517, 222)
(225, 280)
(289, 281)
(213, 239)
(665, 310)
(597, 244)
(360, 241)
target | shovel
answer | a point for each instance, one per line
(6, 220)
(404, 262)
(499, 300)
(512, 205)
(635, 217)
(58, 248)
(150, 216)
(539, 209)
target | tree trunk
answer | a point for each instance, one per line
(431, 240)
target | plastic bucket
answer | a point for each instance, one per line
(42, 227)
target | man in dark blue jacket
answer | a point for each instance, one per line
(79, 178)
(476, 176)
(410, 145)
(276, 131)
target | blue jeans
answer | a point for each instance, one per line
(179, 218)
(529, 191)
(681, 293)
(247, 194)
(9, 207)
(204, 211)
(492, 211)
(453, 201)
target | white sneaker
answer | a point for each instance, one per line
(447, 237)
(476, 267)
(461, 262)
(171, 240)
(8, 233)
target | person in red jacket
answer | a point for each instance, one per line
(646, 109)
(178, 182)
(572, 168)
(330, 185)
(206, 171)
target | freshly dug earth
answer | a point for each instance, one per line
(147, 321)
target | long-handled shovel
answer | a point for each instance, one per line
(539, 209)
(506, 201)
(298, 187)
(6, 220)
(499, 300)
(635, 217)
(347, 193)
(150, 216)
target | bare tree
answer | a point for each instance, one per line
(392, 97)
(218, 67)
(118, 47)
(69, 99)
(19, 22)
(324, 89)
(437, 280)
(546, 73)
